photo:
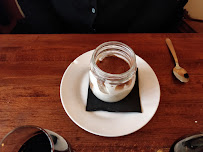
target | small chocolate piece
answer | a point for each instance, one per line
(186, 75)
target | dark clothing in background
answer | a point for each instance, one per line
(100, 16)
(40, 17)
(3, 17)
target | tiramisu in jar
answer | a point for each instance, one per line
(112, 71)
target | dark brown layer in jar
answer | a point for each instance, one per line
(121, 86)
(113, 65)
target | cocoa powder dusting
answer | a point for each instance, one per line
(113, 65)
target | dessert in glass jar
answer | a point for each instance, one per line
(112, 71)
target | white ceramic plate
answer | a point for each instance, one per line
(73, 93)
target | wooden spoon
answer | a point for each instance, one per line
(180, 73)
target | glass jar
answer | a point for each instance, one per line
(110, 87)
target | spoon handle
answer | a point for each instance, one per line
(171, 48)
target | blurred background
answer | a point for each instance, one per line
(52, 16)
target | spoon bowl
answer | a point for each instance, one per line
(179, 72)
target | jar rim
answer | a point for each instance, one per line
(110, 76)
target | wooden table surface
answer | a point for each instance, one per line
(31, 68)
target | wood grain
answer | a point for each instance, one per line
(31, 68)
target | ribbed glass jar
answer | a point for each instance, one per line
(112, 87)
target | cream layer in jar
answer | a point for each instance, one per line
(111, 90)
